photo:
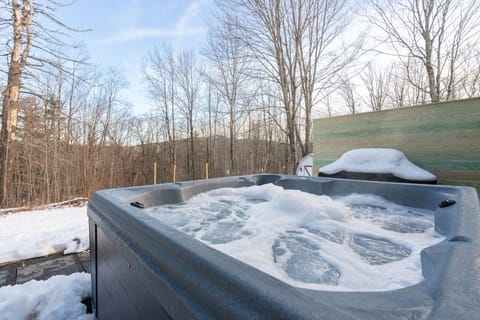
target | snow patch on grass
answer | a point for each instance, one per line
(38, 233)
(56, 298)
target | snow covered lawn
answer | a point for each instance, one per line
(56, 298)
(38, 233)
(31, 234)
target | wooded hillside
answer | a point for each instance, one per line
(243, 103)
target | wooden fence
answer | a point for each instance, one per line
(443, 138)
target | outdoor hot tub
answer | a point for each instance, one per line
(285, 247)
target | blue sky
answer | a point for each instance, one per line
(124, 31)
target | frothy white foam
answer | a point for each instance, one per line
(354, 243)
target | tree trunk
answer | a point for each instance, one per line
(22, 36)
(233, 170)
(430, 71)
(192, 146)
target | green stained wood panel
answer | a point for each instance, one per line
(443, 138)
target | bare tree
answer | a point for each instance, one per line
(377, 85)
(189, 83)
(328, 106)
(469, 81)
(266, 34)
(292, 44)
(407, 84)
(31, 46)
(433, 32)
(22, 16)
(317, 27)
(347, 92)
(212, 123)
(399, 87)
(160, 73)
(227, 53)
(98, 114)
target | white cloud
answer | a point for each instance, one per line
(143, 33)
(182, 28)
(185, 21)
(191, 12)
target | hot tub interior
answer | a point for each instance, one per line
(284, 247)
(357, 242)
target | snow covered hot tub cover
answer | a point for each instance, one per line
(381, 164)
(143, 268)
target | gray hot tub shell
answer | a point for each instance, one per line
(143, 269)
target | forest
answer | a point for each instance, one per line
(242, 103)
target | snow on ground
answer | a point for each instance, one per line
(31, 234)
(56, 298)
(38, 233)
(378, 160)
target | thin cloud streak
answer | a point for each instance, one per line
(182, 28)
(144, 33)
(185, 20)
(190, 14)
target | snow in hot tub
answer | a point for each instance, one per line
(354, 243)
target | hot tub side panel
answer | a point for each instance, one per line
(123, 286)
(123, 283)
